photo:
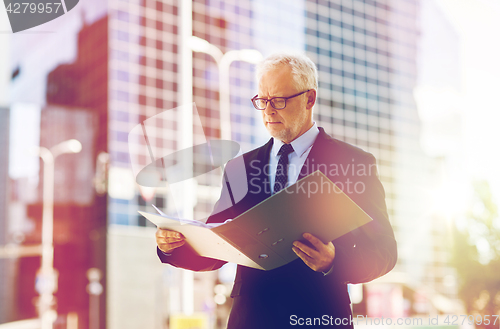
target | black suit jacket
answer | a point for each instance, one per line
(282, 297)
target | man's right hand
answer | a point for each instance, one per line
(168, 240)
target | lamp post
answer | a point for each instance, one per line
(189, 43)
(46, 281)
(186, 133)
(223, 63)
(95, 289)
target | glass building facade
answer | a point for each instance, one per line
(366, 52)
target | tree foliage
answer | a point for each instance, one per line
(476, 256)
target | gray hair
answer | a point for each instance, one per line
(303, 68)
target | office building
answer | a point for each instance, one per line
(366, 55)
(70, 91)
(439, 100)
(366, 52)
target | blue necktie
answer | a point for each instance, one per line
(282, 168)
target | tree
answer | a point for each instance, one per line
(476, 256)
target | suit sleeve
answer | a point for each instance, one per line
(369, 251)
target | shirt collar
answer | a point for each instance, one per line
(300, 144)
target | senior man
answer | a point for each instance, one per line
(312, 290)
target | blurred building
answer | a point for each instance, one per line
(6, 291)
(74, 106)
(144, 85)
(440, 104)
(366, 52)
(79, 224)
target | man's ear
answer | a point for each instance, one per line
(311, 99)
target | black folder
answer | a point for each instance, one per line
(262, 236)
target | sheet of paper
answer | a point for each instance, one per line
(203, 240)
(188, 221)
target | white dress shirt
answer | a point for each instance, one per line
(301, 148)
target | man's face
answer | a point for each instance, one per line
(296, 118)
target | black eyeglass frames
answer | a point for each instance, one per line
(278, 103)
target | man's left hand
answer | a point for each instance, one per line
(319, 258)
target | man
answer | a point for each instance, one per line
(312, 289)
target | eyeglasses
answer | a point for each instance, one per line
(278, 103)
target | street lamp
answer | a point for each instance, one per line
(223, 63)
(188, 44)
(185, 130)
(95, 289)
(46, 282)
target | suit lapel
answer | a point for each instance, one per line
(316, 156)
(258, 170)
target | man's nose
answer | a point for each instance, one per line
(269, 110)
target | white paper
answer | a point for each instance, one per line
(188, 221)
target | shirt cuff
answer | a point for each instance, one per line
(329, 271)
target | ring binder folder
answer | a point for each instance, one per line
(242, 240)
